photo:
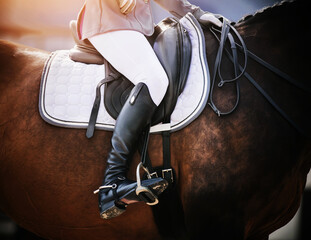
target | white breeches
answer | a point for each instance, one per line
(130, 53)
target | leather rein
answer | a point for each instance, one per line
(240, 71)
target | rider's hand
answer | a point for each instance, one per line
(126, 6)
(207, 19)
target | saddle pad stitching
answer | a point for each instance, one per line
(42, 106)
(43, 91)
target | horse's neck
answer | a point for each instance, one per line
(277, 36)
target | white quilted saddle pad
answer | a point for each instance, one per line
(67, 89)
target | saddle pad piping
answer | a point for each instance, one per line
(49, 118)
(206, 83)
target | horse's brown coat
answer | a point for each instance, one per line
(50, 171)
(239, 177)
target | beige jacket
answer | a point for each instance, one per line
(100, 16)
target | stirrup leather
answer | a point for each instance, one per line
(143, 192)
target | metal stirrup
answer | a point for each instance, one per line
(141, 189)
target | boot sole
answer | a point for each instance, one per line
(112, 212)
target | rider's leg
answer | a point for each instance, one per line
(130, 53)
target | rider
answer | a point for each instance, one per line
(118, 28)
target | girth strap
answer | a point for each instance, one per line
(165, 171)
(168, 213)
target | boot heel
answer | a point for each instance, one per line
(113, 211)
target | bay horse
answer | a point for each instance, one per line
(240, 176)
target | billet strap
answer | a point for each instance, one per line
(110, 76)
(167, 170)
(96, 105)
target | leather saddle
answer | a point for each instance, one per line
(172, 46)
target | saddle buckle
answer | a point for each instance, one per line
(168, 171)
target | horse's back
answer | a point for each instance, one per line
(20, 72)
(14, 57)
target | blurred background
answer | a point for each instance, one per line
(44, 25)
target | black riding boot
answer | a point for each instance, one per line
(134, 117)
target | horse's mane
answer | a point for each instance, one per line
(276, 9)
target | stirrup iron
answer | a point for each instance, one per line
(149, 197)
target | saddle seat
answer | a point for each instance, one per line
(83, 51)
